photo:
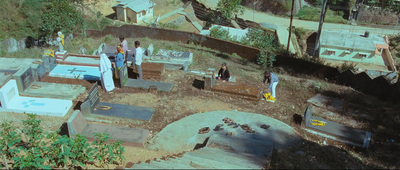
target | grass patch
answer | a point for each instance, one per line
(313, 14)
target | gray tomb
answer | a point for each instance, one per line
(49, 62)
(336, 131)
(93, 105)
(145, 84)
(129, 136)
(28, 84)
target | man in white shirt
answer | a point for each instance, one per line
(137, 59)
(124, 45)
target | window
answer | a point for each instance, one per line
(362, 55)
(331, 52)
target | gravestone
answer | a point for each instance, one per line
(76, 72)
(24, 78)
(92, 105)
(146, 84)
(101, 48)
(49, 63)
(12, 102)
(208, 81)
(39, 72)
(150, 50)
(336, 131)
(129, 136)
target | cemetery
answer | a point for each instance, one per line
(180, 114)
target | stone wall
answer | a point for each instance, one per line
(135, 31)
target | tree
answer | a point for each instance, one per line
(60, 15)
(230, 8)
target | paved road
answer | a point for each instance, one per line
(284, 22)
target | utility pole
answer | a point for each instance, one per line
(321, 21)
(254, 7)
(290, 27)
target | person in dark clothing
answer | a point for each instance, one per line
(223, 73)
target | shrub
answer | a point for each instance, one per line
(377, 16)
(260, 39)
(266, 59)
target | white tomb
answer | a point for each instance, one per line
(10, 101)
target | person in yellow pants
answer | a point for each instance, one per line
(119, 61)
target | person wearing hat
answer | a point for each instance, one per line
(119, 61)
(124, 45)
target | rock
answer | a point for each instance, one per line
(10, 45)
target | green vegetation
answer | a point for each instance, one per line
(394, 44)
(168, 26)
(230, 8)
(43, 18)
(32, 148)
(314, 13)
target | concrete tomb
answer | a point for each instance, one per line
(335, 131)
(76, 72)
(11, 102)
(330, 103)
(93, 105)
(110, 52)
(28, 85)
(77, 124)
(172, 59)
(146, 84)
(49, 62)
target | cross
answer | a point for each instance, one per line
(73, 70)
(32, 102)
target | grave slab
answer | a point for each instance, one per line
(146, 84)
(174, 60)
(12, 102)
(76, 72)
(129, 136)
(243, 90)
(92, 105)
(344, 133)
(327, 102)
(29, 87)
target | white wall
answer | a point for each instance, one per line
(333, 53)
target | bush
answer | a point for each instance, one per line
(266, 59)
(377, 16)
(261, 39)
(219, 33)
(45, 150)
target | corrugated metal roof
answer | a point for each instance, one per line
(136, 5)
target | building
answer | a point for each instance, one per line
(370, 49)
(134, 11)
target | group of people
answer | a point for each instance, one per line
(121, 58)
(269, 78)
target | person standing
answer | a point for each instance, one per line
(124, 45)
(137, 59)
(272, 81)
(119, 61)
(223, 73)
(105, 68)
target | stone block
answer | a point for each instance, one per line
(208, 82)
(76, 124)
(93, 97)
(24, 78)
(123, 75)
